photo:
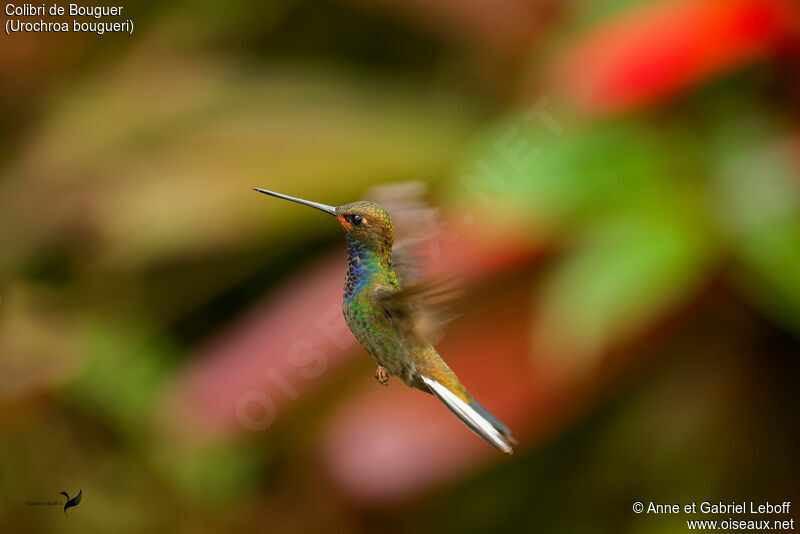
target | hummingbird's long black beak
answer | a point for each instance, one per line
(323, 207)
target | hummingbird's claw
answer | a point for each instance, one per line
(382, 375)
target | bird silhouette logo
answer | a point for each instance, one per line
(75, 501)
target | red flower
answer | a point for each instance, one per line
(657, 50)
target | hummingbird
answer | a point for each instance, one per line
(391, 322)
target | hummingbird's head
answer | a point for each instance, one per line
(366, 222)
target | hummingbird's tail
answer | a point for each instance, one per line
(475, 416)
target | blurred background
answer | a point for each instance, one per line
(618, 185)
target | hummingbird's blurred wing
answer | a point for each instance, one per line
(418, 311)
(416, 225)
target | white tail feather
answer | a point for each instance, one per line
(474, 420)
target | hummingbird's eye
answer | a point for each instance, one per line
(357, 219)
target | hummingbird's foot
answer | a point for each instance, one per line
(382, 375)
